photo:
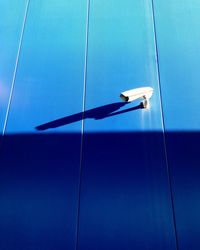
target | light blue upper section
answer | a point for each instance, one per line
(50, 77)
(10, 31)
(121, 56)
(178, 35)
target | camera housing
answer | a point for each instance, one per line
(133, 94)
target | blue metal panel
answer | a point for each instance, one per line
(40, 169)
(179, 51)
(11, 24)
(178, 37)
(49, 84)
(125, 200)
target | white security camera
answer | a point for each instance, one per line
(133, 94)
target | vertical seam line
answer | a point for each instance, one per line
(15, 69)
(83, 123)
(163, 126)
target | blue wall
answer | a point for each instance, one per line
(78, 168)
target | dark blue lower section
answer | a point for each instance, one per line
(125, 199)
(184, 161)
(39, 191)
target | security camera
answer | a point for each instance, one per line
(133, 94)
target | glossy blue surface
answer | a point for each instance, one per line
(178, 37)
(40, 171)
(10, 31)
(125, 200)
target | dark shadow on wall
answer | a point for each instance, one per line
(125, 199)
(96, 113)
